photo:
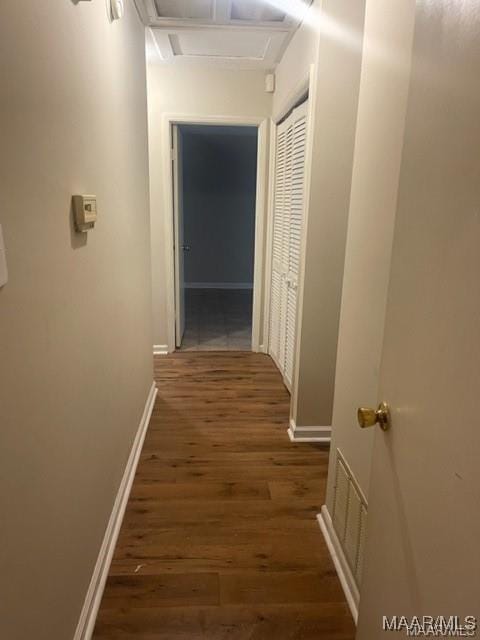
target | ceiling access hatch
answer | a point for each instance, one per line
(242, 33)
(185, 9)
(251, 11)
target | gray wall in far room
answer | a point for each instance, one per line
(219, 187)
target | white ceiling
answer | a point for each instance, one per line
(239, 33)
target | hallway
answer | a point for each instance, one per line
(239, 304)
(220, 538)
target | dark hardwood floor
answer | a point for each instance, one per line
(220, 539)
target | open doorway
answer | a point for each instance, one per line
(215, 193)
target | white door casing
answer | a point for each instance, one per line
(177, 174)
(168, 121)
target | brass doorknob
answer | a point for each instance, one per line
(368, 417)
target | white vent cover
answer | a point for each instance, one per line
(349, 516)
(340, 504)
(361, 544)
(352, 530)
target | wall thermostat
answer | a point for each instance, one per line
(117, 8)
(84, 212)
(270, 83)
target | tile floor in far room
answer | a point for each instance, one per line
(218, 320)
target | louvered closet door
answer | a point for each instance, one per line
(287, 232)
(295, 226)
(278, 274)
(287, 203)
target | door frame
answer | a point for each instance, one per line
(259, 339)
(178, 224)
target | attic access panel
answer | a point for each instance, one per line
(185, 9)
(255, 11)
(218, 44)
(246, 13)
(244, 47)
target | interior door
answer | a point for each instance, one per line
(294, 239)
(287, 202)
(287, 232)
(422, 555)
(177, 174)
(278, 275)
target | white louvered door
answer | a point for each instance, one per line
(299, 138)
(287, 233)
(287, 198)
(278, 275)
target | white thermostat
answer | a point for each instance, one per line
(84, 212)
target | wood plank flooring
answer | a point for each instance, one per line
(220, 539)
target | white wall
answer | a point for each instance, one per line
(75, 320)
(335, 112)
(219, 192)
(378, 148)
(301, 53)
(197, 91)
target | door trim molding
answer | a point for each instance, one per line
(262, 124)
(340, 561)
(96, 587)
(261, 206)
(267, 286)
(309, 434)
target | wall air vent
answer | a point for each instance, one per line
(255, 11)
(349, 516)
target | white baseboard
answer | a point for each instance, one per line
(93, 598)
(160, 349)
(309, 434)
(347, 580)
(219, 285)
